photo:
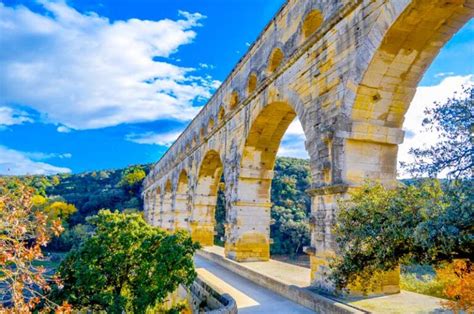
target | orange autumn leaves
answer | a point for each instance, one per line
(458, 279)
(23, 232)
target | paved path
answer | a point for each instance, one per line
(250, 297)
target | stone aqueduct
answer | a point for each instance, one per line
(348, 70)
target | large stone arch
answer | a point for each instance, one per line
(180, 207)
(205, 198)
(248, 230)
(399, 47)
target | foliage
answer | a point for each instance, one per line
(458, 279)
(126, 265)
(22, 234)
(220, 215)
(453, 154)
(377, 229)
(132, 179)
(421, 279)
(91, 191)
(291, 206)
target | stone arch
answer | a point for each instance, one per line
(221, 115)
(210, 125)
(405, 51)
(205, 198)
(311, 23)
(202, 134)
(275, 60)
(180, 208)
(166, 207)
(234, 99)
(400, 46)
(405, 47)
(251, 83)
(248, 235)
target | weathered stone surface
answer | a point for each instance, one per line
(348, 70)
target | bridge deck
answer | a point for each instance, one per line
(250, 298)
(288, 273)
(292, 275)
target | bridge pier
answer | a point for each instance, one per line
(203, 221)
(248, 232)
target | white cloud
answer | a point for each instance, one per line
(425, 97)
(63, 129)
(10, 116)
(83, 71)
(292, 144)
(163, 139)
(13, 162)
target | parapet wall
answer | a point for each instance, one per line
(204, 299)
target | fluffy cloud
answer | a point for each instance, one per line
(13, 162)
(162, 139)
(10, 116)
(83, 71)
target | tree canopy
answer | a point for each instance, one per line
(126, 265)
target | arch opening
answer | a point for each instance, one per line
(311, 23)
(221, 115)
(205, 199)
(275, 60)
(234, 100)
(254, 210)
(252, 83)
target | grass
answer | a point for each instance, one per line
(421, 279)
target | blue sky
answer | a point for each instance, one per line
(86, 84)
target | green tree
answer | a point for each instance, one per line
(132, 179)
(379, 228)
(453, 154)
(126, 265)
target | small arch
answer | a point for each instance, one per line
(234, 99)
(312, 22)
(210, 165)
(210, 125)
(168, 186)
(181, 213)
(202, 133)
(252, 83)
(220, 115)
(275, 60)
(182, 182)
